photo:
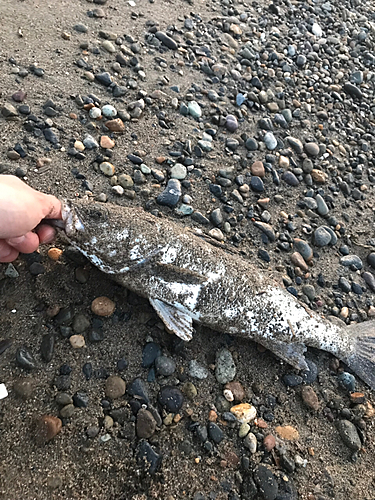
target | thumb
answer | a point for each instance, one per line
(52, 207)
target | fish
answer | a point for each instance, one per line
(189, 278)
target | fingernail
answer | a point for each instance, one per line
(16, 241)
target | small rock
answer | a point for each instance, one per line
(310, 398)
(231, 123)
(269, 442)
(347, 381)
(116, 125)
(146, 424)
(287, 432)
(106, 142)
(197, 371)
(165, 366)
(349, 435)
(171, 194)
(251, 442)
(77, 341)
(244, 412)
(194, 109)
(312, 149)
(266, 482)
(115, 387)
(107, 168)
(215, 433)
(25, 359)
(270, 141)
(225, 370)
(171, 398)
(351, 261)
(103, 306)
(148, 458)
(257, 168)
(46, 428)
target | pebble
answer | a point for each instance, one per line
(266, 482)
(107, 168)
(47, 347)
(46, 428)
(104, 78)
(165, 366)
(349, 435)
(166, 40)
(292, 380)
(103, 306)
(171, 398)
(353, 90)
(11, 272)
(310, 398)
(146, 424)
(371, 259)
(54, 253)
(322, 206)
(19, 96)
(77, 341)
(126, 182)
(138, 388)
(80, 400)
(215, 433)
(108, 46)
(236, 389)
(171, 194)
(231, 123)
(106, 142)
(287, 432)
(116, 125)
(90, 143)
(347, 381)
(257, 169)
(312, 149)
(80, 323)
(225, 369)
(25, 359)
(270, 141)
(109, 111)
(290, 178)
(256, 184)
(189, 390)
(150, 353)
(81, 28)
(148, 458)
(95, 113)
(244, 412)
(178, 172)
(198, 371)
(194, 110)
(114, 387)
(351, 261)
(269, 442)
(322, 237)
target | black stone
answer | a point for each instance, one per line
(215, 433)
(264, 255)
(150, 352)
(138, 388)
(104, 78)
(171, 398)
(166, 40)
(148, 458)
(87, 370)
(51, 135)
(202, 433)
(171, 194)
(353, 90)
(80, 400)
(47, 346)
(62, 382)
(25, 359)
(256, 184)
(266, 482)
(135, 159)
(65, 369)
(65, 316)
(122, 364)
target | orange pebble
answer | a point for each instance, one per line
(54, 253)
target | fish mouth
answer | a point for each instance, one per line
(71, 220)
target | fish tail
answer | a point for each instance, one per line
(362, 359)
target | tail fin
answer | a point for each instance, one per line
(362, 360)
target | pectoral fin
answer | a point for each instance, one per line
(292, 353)
(175, 321)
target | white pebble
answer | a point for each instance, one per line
(95, 113)
(118, 190)
(228, 394)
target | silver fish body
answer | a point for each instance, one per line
(189, 279)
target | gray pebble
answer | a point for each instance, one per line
(270, 141)
(198, 371)
(322, 237)
(351, 260)
(165, 366)
(349, 435)
(322, 206)
(225, 370)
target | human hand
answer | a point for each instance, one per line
(21, 211)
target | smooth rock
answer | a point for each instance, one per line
(171, 398)
(349, 435)
(266, 482)
(225, 369)
(115, 387)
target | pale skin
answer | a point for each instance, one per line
(22, 211)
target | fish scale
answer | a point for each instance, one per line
(188, 279)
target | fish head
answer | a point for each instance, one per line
(95, 231)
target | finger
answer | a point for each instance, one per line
(52, 207)
(7, 253)
(25, 244)
(46, 233)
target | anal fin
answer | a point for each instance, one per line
(292, 353)
(175, 321)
